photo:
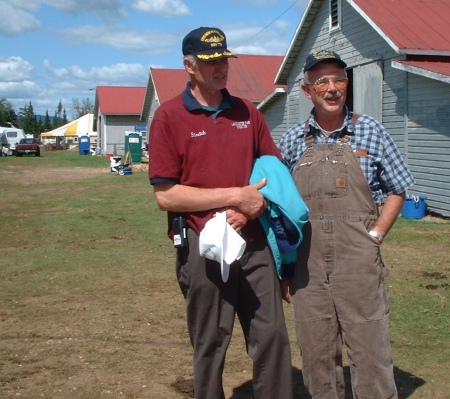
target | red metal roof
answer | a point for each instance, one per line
(437, 65)
(168, 83)
(253, 76)
(413, 26)
(120, 100)
(250, 76)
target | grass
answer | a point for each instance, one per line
(89, 306)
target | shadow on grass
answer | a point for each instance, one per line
(406, 382)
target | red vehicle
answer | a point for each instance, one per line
(27, 147)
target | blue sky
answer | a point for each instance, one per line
(52, 50)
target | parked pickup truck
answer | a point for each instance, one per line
(27, 147)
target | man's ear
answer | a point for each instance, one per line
(306, 90)
(188, 66)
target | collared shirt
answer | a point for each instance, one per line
(384, 168)
(190, 146)
(192, 104)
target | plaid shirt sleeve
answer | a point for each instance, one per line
(386, 171)
(384, 168)
(292, 145)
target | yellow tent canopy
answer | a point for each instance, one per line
(72, 129)
(82, 126)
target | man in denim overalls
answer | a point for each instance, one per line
(345, 166)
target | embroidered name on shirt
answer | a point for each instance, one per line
(241, 125)
(202, 133)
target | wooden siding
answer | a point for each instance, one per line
(429, 140)
(395, 107)
(154, 104)
(275, 117)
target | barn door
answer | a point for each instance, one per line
(368, 90)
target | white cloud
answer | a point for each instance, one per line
(19, 90)
(15, 69)
(163, 8)
(76, 78)
(122, 38)
(62, 83)
(15, 20)
(255, 40)
(103, 8)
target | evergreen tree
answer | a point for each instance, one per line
(64, 118)
(39, 127)
(7, 113)
(58, 121)
(27, 120)
(47, 126)
(13, 118)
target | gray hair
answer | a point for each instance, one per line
(191, 58)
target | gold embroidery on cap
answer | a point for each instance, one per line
(215, 55)
(213, 37)
(323, 54)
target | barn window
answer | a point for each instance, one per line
(335, 14)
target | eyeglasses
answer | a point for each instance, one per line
(323, 83)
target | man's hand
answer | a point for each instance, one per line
(236, 218)
(284, 285)
(250, 201)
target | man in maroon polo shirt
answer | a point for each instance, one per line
(202, 147)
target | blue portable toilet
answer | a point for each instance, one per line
(85, 145)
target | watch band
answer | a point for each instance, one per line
(379, 237)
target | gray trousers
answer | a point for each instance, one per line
(253, 293)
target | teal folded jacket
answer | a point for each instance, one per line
(285, 215)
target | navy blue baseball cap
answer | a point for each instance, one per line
(320, 56)
(207, 44)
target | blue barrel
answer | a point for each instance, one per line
(414, 207)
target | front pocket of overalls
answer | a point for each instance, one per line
(322, 179)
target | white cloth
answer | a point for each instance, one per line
(220, 242)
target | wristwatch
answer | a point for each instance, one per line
(379, 237)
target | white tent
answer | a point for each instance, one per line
(82, 126)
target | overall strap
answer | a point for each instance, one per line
(309, 138)
(343, 137)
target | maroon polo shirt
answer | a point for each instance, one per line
(207, 148)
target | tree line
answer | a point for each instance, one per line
(27, 120)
